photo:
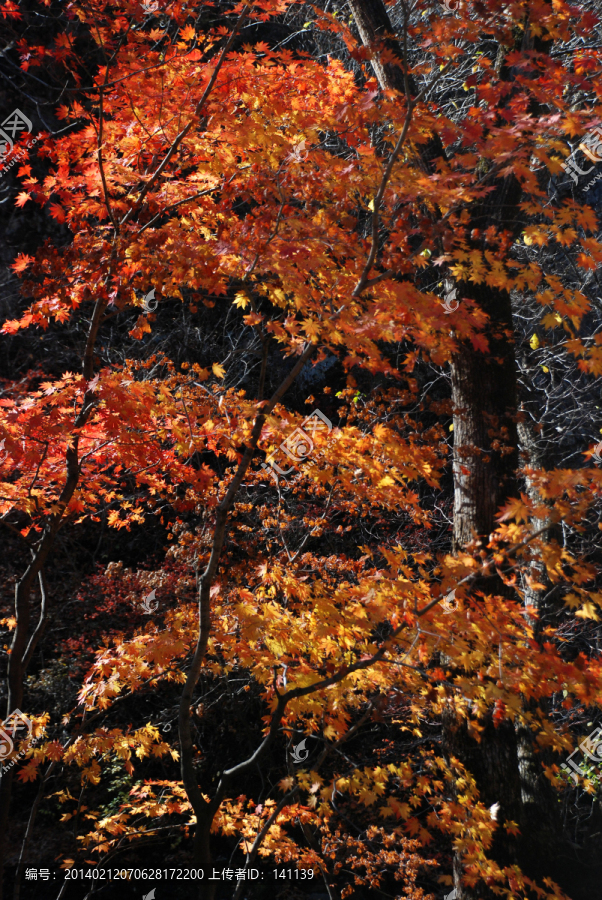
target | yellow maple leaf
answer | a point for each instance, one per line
(588, 611)
(367, 797)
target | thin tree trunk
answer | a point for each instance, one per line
(204, 810)
(29, 830)
(542, 832)
(23, 644)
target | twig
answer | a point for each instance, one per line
(170, 153)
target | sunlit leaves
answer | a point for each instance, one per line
(262, 204)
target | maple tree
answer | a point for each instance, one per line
(318, 205)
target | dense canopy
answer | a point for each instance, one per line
(300, 447)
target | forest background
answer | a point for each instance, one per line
(300, 444)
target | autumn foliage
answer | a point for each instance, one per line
(285, 194)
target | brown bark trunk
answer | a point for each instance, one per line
(485, 439)
(485, 463)
(373, 23)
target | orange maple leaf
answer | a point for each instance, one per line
(21, 263)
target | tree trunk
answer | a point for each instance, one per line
(485, 464)
(203, 858)
(23, 644)
(542, 824)
(484, 409)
